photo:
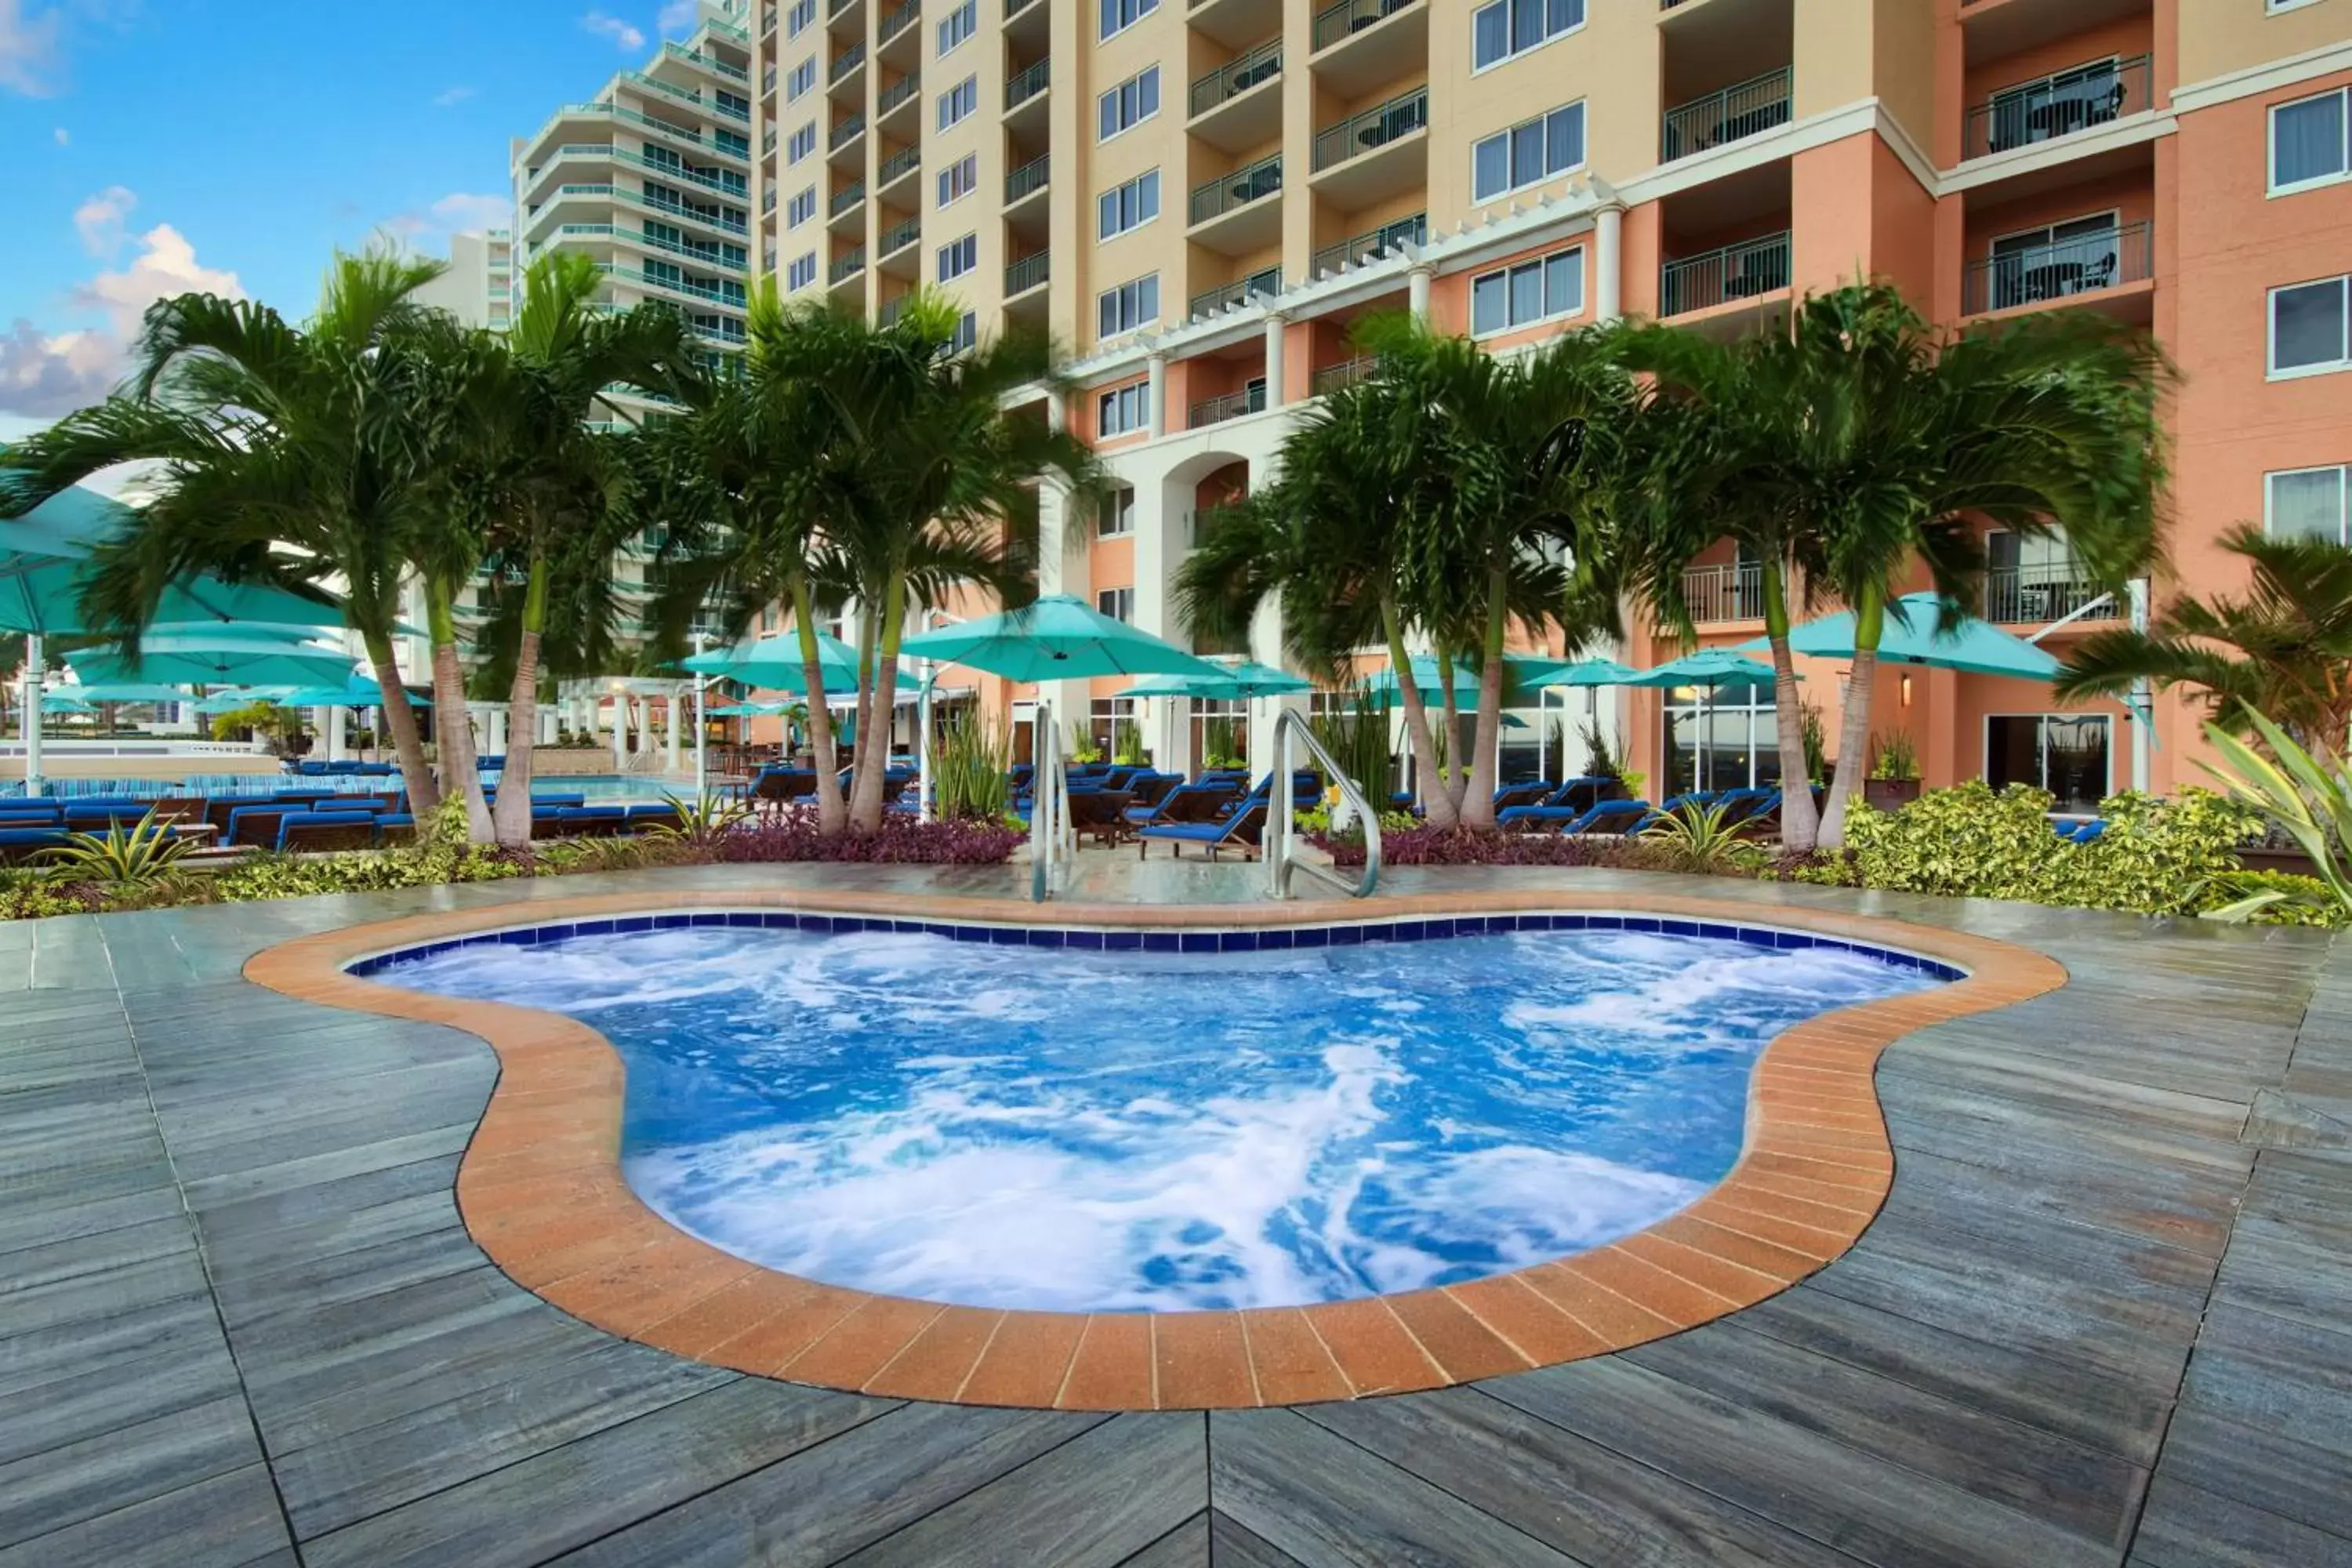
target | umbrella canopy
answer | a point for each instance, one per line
(773, 663)
(64, 703)
(1520, 672)
(750, 710)
(142, 692)
(1911, 637)
(230, 701)
(1709, 667)
(359, 691)
(1589, 672)
(224, 658)
(1058, 637)
(1238, 680)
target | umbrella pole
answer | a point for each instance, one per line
(33, 781)
(701, 730)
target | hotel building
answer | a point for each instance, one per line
(1200, 198)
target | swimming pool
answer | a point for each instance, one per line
(1113, 1122)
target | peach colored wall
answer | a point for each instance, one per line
(2131, 196)
(1903, 230)
(1830, 192)
(2124, 36)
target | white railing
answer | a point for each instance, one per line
(1282, 818)
(1051, 841)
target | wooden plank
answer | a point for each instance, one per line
(1325, 1501)
(1591, 1503)
(230, 1521)
(2273, 1272)
(58, 1488)
(2262, 1467)
(91, 1402)
(2188, 1527)
(1092, 1502)
(1186, 1546)
(1233, 1546)
(821, 1505)
(2263, 1371)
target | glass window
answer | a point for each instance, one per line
(958, 179)
(959, 256)
(1129, 206)
(801, 208)
(801, 272)
(1509, 28)
(1528, 292)
(958, 101)
(1534, 150)
(2065, 753)
(802, 77)
(1124, 409)
(959, 25)
(802, 144)
(1727, 738)
(1117, 517)
(2307, 503)
(1129, 103)
(1117, 16)
(1118, 604)
(2307, 141)
(1131, 305)
(797, 19)
(2308, 326)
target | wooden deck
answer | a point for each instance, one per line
(2105, 1317)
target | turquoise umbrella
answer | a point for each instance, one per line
(360, 691)
(1236, 681)
(1912, 635)
(230, 701)
(64, 703)
(145, 692)
(224, 658)
(773, 663)
(1708, 668)
(1519, 670)
(1058, 637)
(750, 710)
(1588, 672)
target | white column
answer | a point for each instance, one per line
(1275, 322)
(1417, 280)
(620, 731)
(1158, 362)
(497, 732)
(550, 723)
(319, 732)
(2142, 697)
(645, 727)
(1609, 263)
(677, 733)
(337, 743)
(1058, 412)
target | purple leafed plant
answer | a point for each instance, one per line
(899, 841)
(1461, 846)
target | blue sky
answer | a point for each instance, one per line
(156, 145)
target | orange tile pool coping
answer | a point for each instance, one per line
(542, 1192)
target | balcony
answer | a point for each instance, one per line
(1025, 97)
(1360, 44)
(1026, 181)
(1229, 111)
(896, 167)
(897, 237)
(1743, 110)
(898, 95)
(1231, 405)
(2059, 269)
(2036, 595)
(705, 62)
(1347, 373)
(1029, 272)
(1374, 155)
(846, 265)
(1234, 213)
(893, 23)
(1256, 286)
(1735, 273)
(1372, 244)
(2065, 103)
(844, 70)
(846, 133)
(846, 199)
(1725, 592)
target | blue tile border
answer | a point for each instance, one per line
(1216, 940)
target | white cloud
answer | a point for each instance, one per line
(458, 212)
(450, 97)
(28, 47)
(44, 374)
(679, 16)
(624, 37)
(61, 135)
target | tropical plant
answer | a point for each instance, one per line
(1127, 744)
(1599, 761)
(1358, 740)
(1858, 447)
(701, 822)
(282, 728)
(1702, 839)
(1815, 740)
(1082, 748)
(1220, 743)
(2284, 648)
(2309, 797)
(972, 764)
(122, 861)
(300, 456)
(1892, 757)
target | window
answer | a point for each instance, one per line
(958, 179)
(959, 102)
(958, 25)
(801, 272)
(1117, 16)
(732, 142)
(1118, 604)
(1129, 103)
(2307, 141)
(2306, 504)
(799, 144)
(1116, 518)
(1536, 149)
(1727, 738)
(1128, 306)
(802, 77)
(797, 19)
(733, 104)
(2065, 753)
(2307, 328)
(1124, 409)
(958, 257)
(967, 333)
(801, 208)
(1112, 724)
(1131, 205)
(1532, 291)
(1509, 28)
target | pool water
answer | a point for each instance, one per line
(1052, 1129)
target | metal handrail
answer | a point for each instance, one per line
(1049, 805)
(1374, 129)
(1372, 244)
(1029, 177)
(1237, 76)
(1281, 818)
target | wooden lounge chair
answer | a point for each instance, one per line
(1241, 831)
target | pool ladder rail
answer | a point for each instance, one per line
(1282, 862)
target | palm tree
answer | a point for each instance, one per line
(288, 454)
(2283, 650)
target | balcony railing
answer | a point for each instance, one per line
(705, 62)
(1015, 7)
(848, 60)
(1743, 110)
(1025, 274)
(845, 199)
(1024, 85)
(847, 264)
(1725, 592)
(2059, 105)
(904, 160)
(898, 21)
(1240, 188)
(1258, 285)
(1347, 373)
(1735, 273)
(1379, 241)
(1231, 405)
(897, 236)
(2079, 264)
(1359, 134)
(848, 131)
(1336, 21)
(1237, 76)
(2036, 595)
(897, 93)
(1028, 178)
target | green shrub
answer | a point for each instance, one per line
(1700, 839)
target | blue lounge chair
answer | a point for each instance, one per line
(1564, 804)
(2087, 833)
(1240, 831)
(319, 831)
(1185, 803)
(20, 845)
(1612, 818)
(589, 821)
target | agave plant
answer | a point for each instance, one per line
(2310, 797)
(143, 859)
(1700, 838)
(701, 823)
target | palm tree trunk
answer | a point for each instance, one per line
(400, 717)
(865, 710)
(1438, 807)
(1800, 824)
(1854, 728)
(455, 731)
(1450, 772)
(865, 807)
(831, 814)
(510, 818)
(1478, 797)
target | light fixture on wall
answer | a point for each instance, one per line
(1907, 691)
